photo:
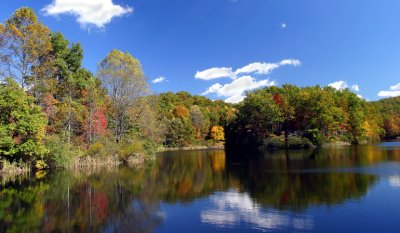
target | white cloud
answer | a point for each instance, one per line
(213, 73)
(355, 87)
(260, 68)
(241, 85)
(395, 87)
(214, 88)
(242, 81)
(283, 25)
(293, 62)
(234, 91)
(235, 99)
(88, 12)
(265, 68)
(389, 93)
(339, 85)
(159, 80)
(394, 91)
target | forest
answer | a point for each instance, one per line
(56, 113)
(293, 117)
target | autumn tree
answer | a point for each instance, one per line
(94, 100)
(217, 133)
(123, 78)
(147, 121)
(181, 112)
(25, 48)
(389, 111)
(197, 119)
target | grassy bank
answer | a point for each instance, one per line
(219, 146)
(110, 162)
(13, 169)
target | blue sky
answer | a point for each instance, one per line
(221, 48)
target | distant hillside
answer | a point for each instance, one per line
(390, 112)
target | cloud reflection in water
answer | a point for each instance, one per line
(394, 181)
(233, 208)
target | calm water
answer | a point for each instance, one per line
(349, 189)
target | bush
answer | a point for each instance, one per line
(132, 146)
(103, 147)
(297, 142)
(315, 136)
(59, 155)
(150, 147)
(96, 149)
(274, 142)
(294, 142)
(130, 149)
(41, 165)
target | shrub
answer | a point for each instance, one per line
(59, 155)
(274, 142)
(315, 136)
(103, 147)
(130, 149)
(150, 147)
(41, 165)
(294, 142)
(96, 149)
(297, 142)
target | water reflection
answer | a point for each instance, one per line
(232, 208)
(265, 192)
(395, 181)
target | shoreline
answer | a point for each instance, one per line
(189, 148)
(135, 161)
(13, 171)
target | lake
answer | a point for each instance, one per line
(344, 189)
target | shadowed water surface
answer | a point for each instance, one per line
(346, 189)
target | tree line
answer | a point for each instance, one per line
(294, 117)
(53, 111)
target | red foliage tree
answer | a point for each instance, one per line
(99, 123)
(278, 99)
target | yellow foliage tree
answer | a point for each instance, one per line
(25, 47)
(217, 133)
(181, 112)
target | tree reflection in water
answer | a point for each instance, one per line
(258, 190)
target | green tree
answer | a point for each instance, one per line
(357, 118)
(180, 133)
(22, 124)
(263, 111)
